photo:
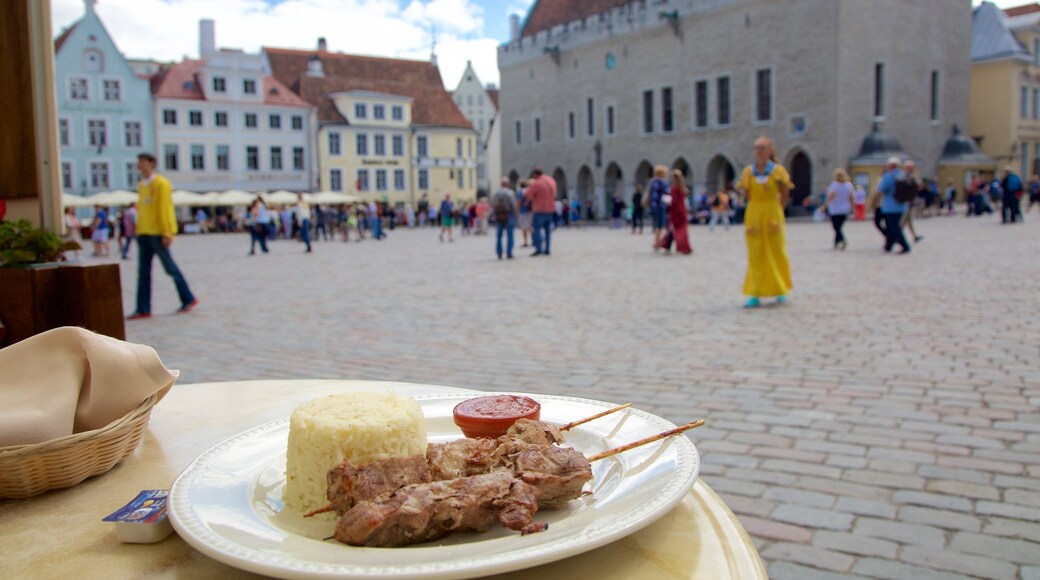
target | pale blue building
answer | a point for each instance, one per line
(104, 110)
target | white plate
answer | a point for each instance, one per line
(227, 503)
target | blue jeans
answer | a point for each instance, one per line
(148, 247)
(305, 233)
(543, 223)
(894, 232)
(506, 227)
(126, 245)
(258, 234)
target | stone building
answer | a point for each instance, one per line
(224, 122)
(597, 92)
(104, 110)
(387, 128)
(479, 103)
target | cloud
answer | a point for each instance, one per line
(520, 7)
(168, 29)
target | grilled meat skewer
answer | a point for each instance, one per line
(429, 511)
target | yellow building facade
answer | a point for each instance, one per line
(388, 129)
(1004, 97)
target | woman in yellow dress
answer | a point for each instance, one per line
(767, 187)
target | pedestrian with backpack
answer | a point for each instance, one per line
(719, 210)
(896, 193)
(503, 203)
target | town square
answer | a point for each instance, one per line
(809, 224)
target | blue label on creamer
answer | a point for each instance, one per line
(147, 508)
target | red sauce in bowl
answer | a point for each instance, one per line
(493, 415)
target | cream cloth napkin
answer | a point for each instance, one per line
(70, 380)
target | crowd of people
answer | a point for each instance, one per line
(758, 200)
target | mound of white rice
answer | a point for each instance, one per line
(360, 427)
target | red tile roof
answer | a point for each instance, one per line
(493, 95)
(432, 105)
(181, 81)
(547, 14)
(58, 42)
(1024, 9)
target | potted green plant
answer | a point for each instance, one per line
(22, 244)
(40, 292)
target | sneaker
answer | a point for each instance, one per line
(752, 302)
(918, 238)
(188, 307)
(139, 316)
(781, 299)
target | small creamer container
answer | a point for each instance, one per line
(143, 520)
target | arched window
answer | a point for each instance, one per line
(93, 60)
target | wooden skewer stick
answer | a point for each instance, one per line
(594, 417)
(641, 442)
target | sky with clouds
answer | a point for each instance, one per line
(168, 29)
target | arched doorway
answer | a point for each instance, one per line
(683, 165)
(643, 173)
(800, 168)
(514, 177)
(561, 183)
(721, 173)
(613, 180)
(586, 186)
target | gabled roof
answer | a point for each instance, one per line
(181, 81)
(991, 38)
(421, 81)
(60, 41)
(547, 14)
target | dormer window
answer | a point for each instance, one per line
(397, 112)
(93, 60)
(378, 112)
(361, 110)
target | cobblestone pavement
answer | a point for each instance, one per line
(882, 424)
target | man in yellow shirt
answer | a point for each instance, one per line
(156, 227)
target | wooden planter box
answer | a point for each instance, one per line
(33, 300)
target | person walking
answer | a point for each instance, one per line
(859, 203)
(73, 229)
(719, 210)
(542, 195)
(1010, 206)
(767, 186)
(1034, 192)
(525, 215)
(617, 207)
(678, 216)
(658, 211)
(910, 174)
(841, 197)
(637, 210)
(100, 234)
(892, 209)
(259, 220)
(302, 209)
(503, 203)
(949, 197)
(129, 229)
(447, 217)
(156, 228)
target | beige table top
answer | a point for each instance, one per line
(60, 534)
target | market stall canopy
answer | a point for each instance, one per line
(71, 200)
(281, 197)
(332, 197)
(183, 198)
(209, 198)
(236, 197)
(114, 198)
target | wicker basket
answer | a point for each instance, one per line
(28, 470)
